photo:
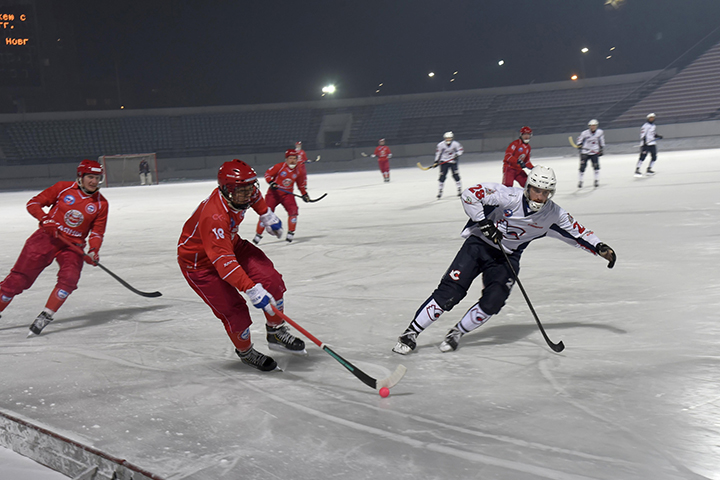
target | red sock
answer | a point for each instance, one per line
(242, 340)
(56, 299)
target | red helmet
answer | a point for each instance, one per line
(525, 130)
(89, 167)
(233, 174)
(290, 152)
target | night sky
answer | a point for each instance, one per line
(219, 52)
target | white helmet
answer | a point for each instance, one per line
(593, 122)
(650, 115)
(542, 178)
(448, 135)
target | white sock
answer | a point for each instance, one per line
(474, 318)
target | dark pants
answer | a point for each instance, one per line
(595, 159)
(652, 149)
(474, 258)
(444, 170)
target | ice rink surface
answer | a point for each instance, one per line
(155, 381)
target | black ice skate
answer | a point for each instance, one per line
(40, 322)
(281, 340)
(638, 173)
(649, 171)
(290, 236)
(406, 342)
(580, 184)
(257, 238)
(452, 340)
(257, 360)
(596, 184)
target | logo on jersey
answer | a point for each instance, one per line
(454, 274)
(283, 174)
(511, 231)
(90, 208)
(246, 334)
(508, 212)
(73, 218)
(62, 294)
(69, 199)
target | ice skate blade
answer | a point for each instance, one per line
(402, 349)
(278, 348)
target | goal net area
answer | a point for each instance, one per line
(129, 169)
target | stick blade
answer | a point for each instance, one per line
(393, 379)
(558, 347)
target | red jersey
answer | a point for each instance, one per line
(210, 235)
(517, 152)
(287, 177)
(78, 213)
(301, 156)
(382, 152)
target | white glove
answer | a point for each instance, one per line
(272, 223)
(261, 298)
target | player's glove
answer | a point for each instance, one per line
(600, 152)
(50, 226)
(521, 163)
(92, 257)
(261, 298)
(490, 231)
(273, 185)
(306, 198)
(607, 253)
(272, 223)
(659, 137)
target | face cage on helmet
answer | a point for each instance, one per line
(536, 206)
(228, 195)
(100, 182)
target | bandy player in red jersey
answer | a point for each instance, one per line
(77, 209)
(383, 154)
(517, 157)
(282, 178)
(218, 264)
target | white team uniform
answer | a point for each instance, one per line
(591, 142)
(519, 225)
(445, 153)
(647, 134)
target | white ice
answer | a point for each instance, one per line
(155, 381)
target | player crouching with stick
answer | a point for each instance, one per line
(77, 209)
(500, 217)
(218, 264)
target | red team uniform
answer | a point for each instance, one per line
(383, 154)
(218, 264)
(517, 157)
(282, 178)
(74, 212)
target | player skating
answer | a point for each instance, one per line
(218, 264)
(499, 215)
(76, 210)
(648, 136)
(591, 143)
(447, 154)
(383, 154)
(517, 157)
(282, 178)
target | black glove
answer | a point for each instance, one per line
(607, 253)
(659, 137)
(306, 198)
(273, 185)
(600, 152)
(521, 163)
(490, 231)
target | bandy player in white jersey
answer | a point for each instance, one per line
(500, 217)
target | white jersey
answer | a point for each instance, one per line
(647, 134)
(445, 153)
(591, 142)
(509, 211)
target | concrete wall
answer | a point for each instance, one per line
(624, 140)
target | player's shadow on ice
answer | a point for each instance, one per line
(422, 206)
(92, 319)
(296, 240)
(505, 334)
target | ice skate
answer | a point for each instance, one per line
(439, 195)
(596, 184)
(40, 322)
(281, 340)
(649, 171)
(452, 340)
(638, 173)
(406, 342)
(257, 238)
(257, 360)
(290, 236)
(580, 184)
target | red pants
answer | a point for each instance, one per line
(511, 174)
(384, 165)
(273, 198)
(39, 251)
(225, 300)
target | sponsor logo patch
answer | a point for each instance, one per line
(508, 212)
(62, 294)
(73, 218)
(91, 208)
(246, 334)
(455, 274)
(69, 199)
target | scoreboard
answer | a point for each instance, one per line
(19, 61)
